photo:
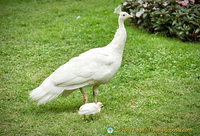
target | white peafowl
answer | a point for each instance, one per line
(90, 109)
(91, 68)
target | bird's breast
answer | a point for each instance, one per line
(108, 72)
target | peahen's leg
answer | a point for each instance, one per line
(84, 95)
(95, 92)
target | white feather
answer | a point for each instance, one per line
(90, 108)
(94, 67)
(118, 9)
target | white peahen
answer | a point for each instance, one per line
(91, 68)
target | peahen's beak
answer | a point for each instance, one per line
(130, 16)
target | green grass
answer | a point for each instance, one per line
(157, 86)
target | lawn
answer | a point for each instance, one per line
(157, 86)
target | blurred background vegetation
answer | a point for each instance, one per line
(173, 18)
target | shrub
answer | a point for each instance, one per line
(170, 17)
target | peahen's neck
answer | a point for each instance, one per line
(118, 42)
(121, 23)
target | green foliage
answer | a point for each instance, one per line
(157, 86)
(166, 17)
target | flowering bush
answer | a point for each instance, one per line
(177, 18)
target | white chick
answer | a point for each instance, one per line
(90, 108)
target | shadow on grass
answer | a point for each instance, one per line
(91, 118)
(56, 108)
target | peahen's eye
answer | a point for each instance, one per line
(123, 14)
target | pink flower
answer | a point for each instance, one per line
(165, 3)
(183, 3)
(192, 1)
(145, 5)
(139, 13)
(140, 1)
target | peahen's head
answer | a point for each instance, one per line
(124, 15)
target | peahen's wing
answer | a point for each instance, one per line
(86, 69)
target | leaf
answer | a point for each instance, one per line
(197, 30)
(144, 15)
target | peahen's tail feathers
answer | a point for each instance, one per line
(47, 91)
(45, 94)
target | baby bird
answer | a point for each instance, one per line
(90, 109)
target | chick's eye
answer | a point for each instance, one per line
(123, 14)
